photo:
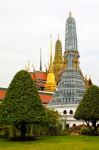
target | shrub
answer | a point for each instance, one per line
(64, 132)
(85, 131)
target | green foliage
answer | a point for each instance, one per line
(6, 132)
(52, 118)
(85, 131)
(52, 122)
(22, 104)
(64, 132)
(35, 130)
(88, 109)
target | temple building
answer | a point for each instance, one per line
(71, 87)
(62, 86)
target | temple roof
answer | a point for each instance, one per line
(58, 43)
(44, 96)
(38, 75)
(2, 93)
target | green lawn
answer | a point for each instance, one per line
(54, 143)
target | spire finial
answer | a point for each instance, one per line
(58, 36)
(70, 14)
(50, 51)
(27, 67)
(90, 77)
(40, 59)
(46, 68)
(33, 68)
(34, 72)
(50, 82)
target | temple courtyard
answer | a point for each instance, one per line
(54, 143)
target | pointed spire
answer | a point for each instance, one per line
(40, 59)
(70, 34)
(46, 68)
(50, 67)
(70, 14)
(57, 63)
(58, 36)
(34, 72)
(27, 67)
(90, 82)
(33, 68)
(50, 82)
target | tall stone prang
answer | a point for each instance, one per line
(70, 34)
(71, 87)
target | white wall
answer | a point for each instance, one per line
(66, 118)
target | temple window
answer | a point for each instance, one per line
(64, 112)
(71, 112)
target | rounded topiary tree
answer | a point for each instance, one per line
(88, 109)
(22, 104)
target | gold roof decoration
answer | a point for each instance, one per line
(58, 60)
(50, 83)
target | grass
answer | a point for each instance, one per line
(54, 143)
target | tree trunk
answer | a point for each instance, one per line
(23, 129)
(94, 127)
(90, 127)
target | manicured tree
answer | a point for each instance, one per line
(22, 104)
(53, 122)
(52, 117)
(88, 109)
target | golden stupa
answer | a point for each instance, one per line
(58, 60)
(50, 83)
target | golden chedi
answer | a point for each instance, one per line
(58, 60)
(50, 83)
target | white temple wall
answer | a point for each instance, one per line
(67, 118)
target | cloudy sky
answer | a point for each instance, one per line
(26, 25)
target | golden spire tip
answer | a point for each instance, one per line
(70, 14)
(58, 36)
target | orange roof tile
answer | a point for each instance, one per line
(2, 94)
(45, 97)
(39, 75)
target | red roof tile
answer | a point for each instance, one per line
(2, 94)
(39, 75)
(45, 97)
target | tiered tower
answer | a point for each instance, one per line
(50, 83)
(71, 54)
(58, 61)
(71, 86)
